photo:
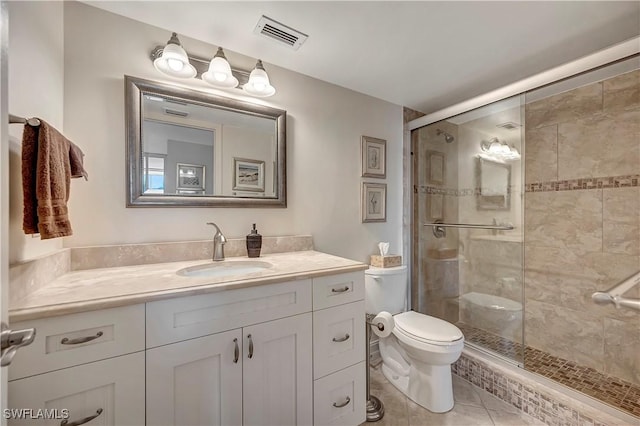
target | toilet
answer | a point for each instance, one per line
(417, 355)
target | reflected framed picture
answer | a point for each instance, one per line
(374, 157)
(190, 177)
(436, 167)
(248, 175)
(374, 202)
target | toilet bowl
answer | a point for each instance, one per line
(417, 355)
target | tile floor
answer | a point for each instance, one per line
(472, 407)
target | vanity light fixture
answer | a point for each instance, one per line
(499, 149)
(258, 84)
(174, 61)
(219, 73)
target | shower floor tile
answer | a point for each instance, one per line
(611, 390)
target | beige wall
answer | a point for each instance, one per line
(584, 240)
(36, 75)
(325, 123)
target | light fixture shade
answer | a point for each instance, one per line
(500, 150)
(258, 84)
(174, 61)
(219, 73)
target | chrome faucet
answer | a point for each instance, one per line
(218, 243)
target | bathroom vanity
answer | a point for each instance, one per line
(284, 345)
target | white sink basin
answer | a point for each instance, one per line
(224, 268)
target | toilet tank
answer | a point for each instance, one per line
(385, 289)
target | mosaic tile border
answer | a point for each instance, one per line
(528, 397)
(586, 183)
(561, 185)
(618, 393)
(465, 192)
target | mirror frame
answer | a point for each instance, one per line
(481, 204)
(136, 87)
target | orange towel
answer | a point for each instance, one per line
(49, 161)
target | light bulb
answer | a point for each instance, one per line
(220, 76)
(175, 64)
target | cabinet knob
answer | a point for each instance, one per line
(347, 401)
(236, 352)
(65, 422)
(79, 340)
(340, 290)
(341, 339)
(250, 346)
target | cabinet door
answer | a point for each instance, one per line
(196, 382)
(110, 391)
(277, 372)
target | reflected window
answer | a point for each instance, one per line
(153, 176)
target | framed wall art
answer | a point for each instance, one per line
(248, 175)
(190, 177)
(374, 202)
(374, 157)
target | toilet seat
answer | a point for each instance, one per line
(427, 329)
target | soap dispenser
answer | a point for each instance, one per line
(254, 243)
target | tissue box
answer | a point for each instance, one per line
(388, 261)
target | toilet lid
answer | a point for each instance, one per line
(426, 328)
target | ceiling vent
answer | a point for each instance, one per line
(175, 112)
(509, 125)
(280, 32)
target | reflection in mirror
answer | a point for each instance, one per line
(494, 185)
(191, 148)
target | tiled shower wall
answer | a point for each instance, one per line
(582, 223)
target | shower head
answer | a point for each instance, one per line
(448, 138)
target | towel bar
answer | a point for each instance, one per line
(14, 119)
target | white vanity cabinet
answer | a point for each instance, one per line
(339, 350)
(282, 353)
(258, 373)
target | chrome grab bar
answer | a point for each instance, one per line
(440, 232)
(614, 294)
(470, 225)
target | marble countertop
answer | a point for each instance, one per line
(88, 290)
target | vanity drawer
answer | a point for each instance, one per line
(339, 399)
(75, 339)
(174, 320)
(338, 338)
(339, 289)
(112, 391)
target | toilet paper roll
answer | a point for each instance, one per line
(382, 324)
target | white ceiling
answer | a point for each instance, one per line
(426, 55)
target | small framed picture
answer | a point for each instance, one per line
(190, 177)
(248, 175)
(374, 157)
(374, 202)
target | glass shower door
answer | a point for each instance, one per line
(467, 225)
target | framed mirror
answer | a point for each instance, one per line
(190, 148)
(493, 185)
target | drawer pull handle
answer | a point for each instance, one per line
(79, 340)
(65, 422)
(250, 346)
(341, 339)
(236, 352)
(347, 401)
(340, 290)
